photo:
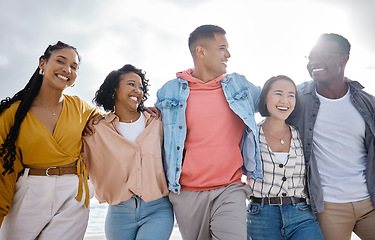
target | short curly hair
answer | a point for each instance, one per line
(104, 96)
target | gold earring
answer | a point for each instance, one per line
(41, 72)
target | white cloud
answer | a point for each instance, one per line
(266, 37)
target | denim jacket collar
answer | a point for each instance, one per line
(310, 88)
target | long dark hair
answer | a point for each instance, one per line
(26, 96)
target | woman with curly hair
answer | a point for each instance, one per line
(124, 160)
(43, 181)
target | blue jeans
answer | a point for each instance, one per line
(137, 219)
(289, 221)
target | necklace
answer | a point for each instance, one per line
(53, 113)
(131, 120)
(281, 139)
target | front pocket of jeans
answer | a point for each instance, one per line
(253, 209)
(303, 206)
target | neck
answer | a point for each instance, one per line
(275, 125)
(128, 116)
(50, 98)
(333, 90)
(203, 75)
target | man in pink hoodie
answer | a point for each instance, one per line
(208, 121)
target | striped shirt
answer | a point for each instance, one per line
(288, 179)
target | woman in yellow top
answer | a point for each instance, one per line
(44, 190)
(124, 161)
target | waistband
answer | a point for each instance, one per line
(277, 200)
(49, 171)
(79, 169)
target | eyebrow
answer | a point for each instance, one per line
(277, 90)
(131, 80)
(65, 58)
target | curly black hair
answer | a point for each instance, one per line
(104, 97)
(26, 96)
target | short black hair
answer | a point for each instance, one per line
(104, 97)
(343, 42)
(262, 106)
(202, 33)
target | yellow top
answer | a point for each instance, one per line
(36, 146)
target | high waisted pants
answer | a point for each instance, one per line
(44, 207)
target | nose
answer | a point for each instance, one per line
(284, 99)
(227, 54)
(311, 63)
(67, 69)
(138, 90)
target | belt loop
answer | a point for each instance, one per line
(262, 203)
(293, 202)
(26, 172)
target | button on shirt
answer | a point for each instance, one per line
(286, 179)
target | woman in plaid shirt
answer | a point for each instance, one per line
(278, 207)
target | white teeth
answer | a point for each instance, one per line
(282, 108)
(317, 69)
(62, 77)
(134, 98)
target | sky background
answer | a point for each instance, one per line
(266, 38)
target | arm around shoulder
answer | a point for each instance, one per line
(254, 90)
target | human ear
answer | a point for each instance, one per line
(41, 64)
(199, 51)
(344, 59)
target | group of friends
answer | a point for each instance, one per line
(309, 164)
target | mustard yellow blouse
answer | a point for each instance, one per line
(36, 146)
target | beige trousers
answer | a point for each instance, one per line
(339, 220)
(212, 214)
(46, 208)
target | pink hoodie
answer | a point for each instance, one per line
(213, 142)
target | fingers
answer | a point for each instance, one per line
(154, 112)
(89, 128)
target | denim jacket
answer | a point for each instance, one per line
(242, 97)
(305, 121)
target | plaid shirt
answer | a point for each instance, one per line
(288, 179)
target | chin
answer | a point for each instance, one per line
(321, 81)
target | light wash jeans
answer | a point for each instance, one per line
(290, 221)
(137, 219)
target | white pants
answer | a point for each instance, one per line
(45, 208)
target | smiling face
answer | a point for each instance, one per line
(281, 99)
(60, 70)
(327, 62)
(129, 92)
(215, 55)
